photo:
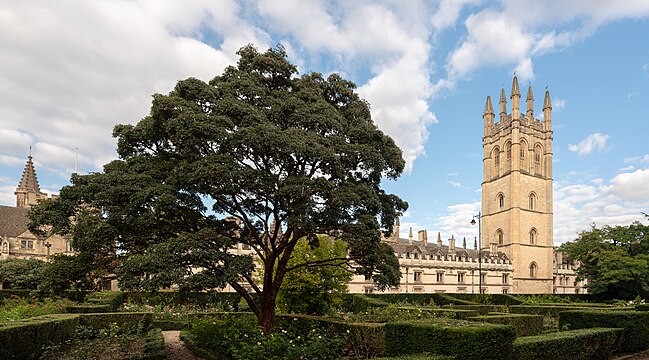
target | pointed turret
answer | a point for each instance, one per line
(488, 116)
(439, 240)
(395, 230)
(547, 110)
(503, 104)
(28, 192)
(410, 236)
(464, 242)
(530, 103)
(516, 98)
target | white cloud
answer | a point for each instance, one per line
(455, 184)
(448, 12)
(631, 185)
(457, 222)
(558, 104)
(592, 142)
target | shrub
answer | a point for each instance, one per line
(354, 303)
(642, 307)
(465, 340)
(420, 299)
(125, 320)
(481, 309)
(550, 310)
(596, 343)
(21, 308)
(88, 308)
(114, 299)
(526, 325)
(24, 339)
(635, 324)
(154, 345)
(489, 299)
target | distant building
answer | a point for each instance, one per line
(16, 241)
(517, 233)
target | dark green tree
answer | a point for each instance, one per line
(21, 273)
(614, 260)
(275, 156)
(315, 290)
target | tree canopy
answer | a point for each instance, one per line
(21, 273)
(258, 156)
(613, 259)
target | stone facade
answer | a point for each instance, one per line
(16, 241)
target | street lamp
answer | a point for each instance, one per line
(479, 217)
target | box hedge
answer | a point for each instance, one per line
(24, 339)
(88, 308)
(489, 299)
(642, 307)
(481, 309)
(420, 299)
(549, 310)
(635, 324)
(461, 314)
(123, 319)
(355, 303)
(525, 324)
(582, 344)
(154, 345)
(463, 339)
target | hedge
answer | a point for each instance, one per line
(545, 309)
(142, 320)
(184, 298)
(88, 308)
(461, 314)
(481, 309)
(24, 339)
(465, 340)
(154, 345)
(525, 325)
(114, 299)
(73, 295)
(642, 307)
(355, 303)
(595, 343)
(489, 299)
(635, 324)
(424, 356)
(420, 299)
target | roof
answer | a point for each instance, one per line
(13, 221)
(29, 182)
(403, 246)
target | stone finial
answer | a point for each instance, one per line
(515, 90)
(494, 249)
(410, 236)
(488, 109)
(547, 110)
(422, 236)
(451, 243)
(464, 242)
(503, 104)
(530, 103)
(546, 100)
(439, 239)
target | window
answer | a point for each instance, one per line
(500, 236)
(408, 255)
(417, 275)
(369, 290)
(532, 201)
(501, 201)
(533, 269)
(533, 236)
(522, 155)
(26, 244)
(537, 160)
(505, 291)
(505, 278)
(460, 278)
(509, 151)
(416, 255)
(5, 247)
(440, 277)
(496, 157)
(484, 279)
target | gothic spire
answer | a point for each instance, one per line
(515, 90)
(464, 242)
(530, 102)
(488, 109)
(503, 104)
(546, 101)
(29, 182)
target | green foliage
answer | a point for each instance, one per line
(465, 340)
(154, 345)
(583, 344)
(315, 290)
(489, 299)
(24, 339)
(127, 321)
(421, 299)
(15, 308)
(242, 338)
(355, 303)
(407, 313)
(277, 156)
(21, 273)
(88, 308)
(549, 310)
(525, 325)
(210, 299)
(642, 307)
(67, 272)
(614, 259)
(635, 324)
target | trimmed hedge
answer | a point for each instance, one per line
(424, 356)
(24, 339)
(123, 319)
(549, 310)
(420, 299)
(166, 325)
(154, 345)
(595, 343)
(642, 307)
(184, 298)
(462, 314)
(525, 325)
(635, 324)
(88, 308)
(73, 295)
(489, 299)
(481, 309)
(114, 299)
(465, 340)
(355, 303)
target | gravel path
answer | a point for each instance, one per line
(176, 350)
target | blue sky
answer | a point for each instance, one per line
(71, 70)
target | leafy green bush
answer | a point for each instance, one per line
(550, 310)
(526, 325)
(642, 307)
(406, 313)
(125, 320)
(465, 340)
(88, 308)
(24, 339)
(582, 344)
(21, 273)
(25, 307)
(154, 345)
(635, 324)
(482, 309)
(114, 299)
(489, 299)
(420, 299)
(355, 303)
(224, 300)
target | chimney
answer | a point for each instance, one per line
(451, 243)
(422, 236)
(410, 236)
(439, 240)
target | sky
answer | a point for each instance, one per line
(72, 69)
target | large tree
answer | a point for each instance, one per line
(21, 273)
(258, 156)
(614, 260)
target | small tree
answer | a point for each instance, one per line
(614, 260)
(315, 290)
(20, 273)
(277, 157)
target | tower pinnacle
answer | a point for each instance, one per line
(530, 103)
(503, 104)
(516, 98)
(28, 191)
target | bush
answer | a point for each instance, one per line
(355, 303)
(596, 343)
(526, 325)
(114, 299)
(635, 324)
(549, 310)
(420, 299)
(465, 340)
(642, 307)
(125, 320)
(21, 308)
(481, 309)
(88, 308)
(489, 299)
(24, 339)
(154, 345)
(172, 298)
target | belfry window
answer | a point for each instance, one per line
(500, 236)
(501, 201)
(533, 236)
(532, 201)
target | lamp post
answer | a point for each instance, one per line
(479, 217)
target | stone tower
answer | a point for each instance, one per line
(28, 192)
(517, 189)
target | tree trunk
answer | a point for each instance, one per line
(267, 315)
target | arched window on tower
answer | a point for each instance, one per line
(5, 247)
(523, 156)
(532, 201)
(496, 157)
(533, 269)
(508, 149)
(533, 236)
(500, 236)
(537, 160)
(501, 201)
